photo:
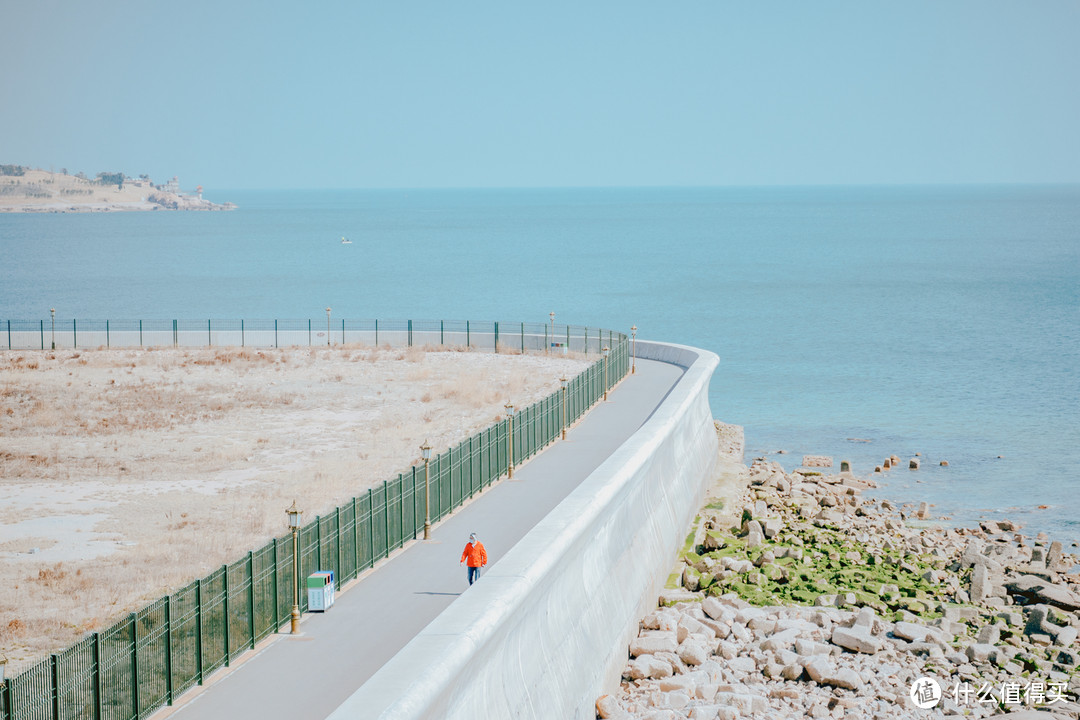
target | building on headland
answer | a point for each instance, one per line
(172, 186)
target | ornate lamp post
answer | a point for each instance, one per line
(606, 351)
(425, 452)
(327, 326)
(633, 349)
(52, 312)
(510, 440)
(564, 383)
(294, 514)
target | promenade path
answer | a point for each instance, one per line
(307, 676)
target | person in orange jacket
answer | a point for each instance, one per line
(475, 555)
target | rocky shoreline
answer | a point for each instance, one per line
(817, 602)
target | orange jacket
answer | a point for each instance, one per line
(474, 555)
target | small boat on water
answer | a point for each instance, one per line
(345, 240)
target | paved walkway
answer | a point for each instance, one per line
(305, 677)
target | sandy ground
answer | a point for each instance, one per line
(44, 191)
(125, 473)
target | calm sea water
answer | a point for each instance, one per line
(852, 322)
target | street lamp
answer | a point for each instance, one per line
(510, 440)
(327, 326)
(425, 452)
(606, 350)
(565, 383)
(552, 340)
(294, 514)
(52, 311)
(633, 349)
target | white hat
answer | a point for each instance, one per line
(472, 536)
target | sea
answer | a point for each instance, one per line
(855, 322)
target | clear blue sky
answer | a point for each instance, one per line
(555, 93)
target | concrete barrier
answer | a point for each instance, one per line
(547, 629)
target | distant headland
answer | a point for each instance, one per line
(24, 189)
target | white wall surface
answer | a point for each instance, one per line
(547, 630)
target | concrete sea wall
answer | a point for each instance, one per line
(548, 627)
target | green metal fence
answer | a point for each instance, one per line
(147, 659)
(55, 333)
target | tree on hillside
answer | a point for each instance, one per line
(116, 178)
(12, 170)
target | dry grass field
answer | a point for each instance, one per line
(127, 472)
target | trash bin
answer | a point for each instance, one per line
(558, 348)
(320, 591)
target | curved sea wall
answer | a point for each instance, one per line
(546, 630)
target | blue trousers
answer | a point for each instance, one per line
(474, 574)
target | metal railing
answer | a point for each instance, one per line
(55, 334)
(147, 659)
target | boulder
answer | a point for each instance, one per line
(857, 639)
(979, 652)
(648, 666)
(980, 579)
(1036, 589)
(608, 708)
(844, 678)
(818, 668)
(651, 644)
(693, 653)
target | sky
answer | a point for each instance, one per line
(404, 94)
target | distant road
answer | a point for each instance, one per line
(308, 676)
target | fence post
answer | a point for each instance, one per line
(140, 333)
(342, 331)
(225, 613)
(95, 676)
(337, 543)
(442, 332)
(275, 333)
(318, 543)
(468, 340)
(241, 332)
(209, 337)
(309, 332)
(355, 539)
(522, 338)
(376, 332)
(8, 334)
(174, 337)
(134, 664)
(401, 504)
(386, 517)
(54, 668)
(198, 628)
(74, 333)
(496, 336)
(371, 524)
(168, 650)
(107, 343)
(277, 601)
(42, 334)
(410, 333)
(251, 598)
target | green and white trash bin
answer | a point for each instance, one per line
(320, 591)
